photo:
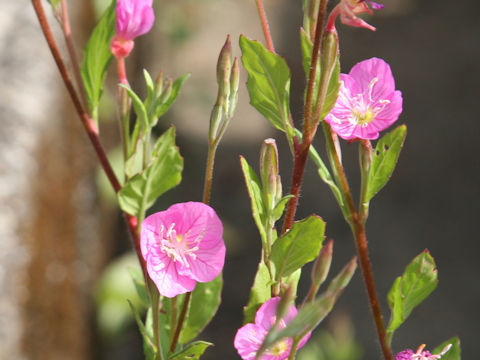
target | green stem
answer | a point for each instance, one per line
(155, 300)
(207, 187)
(181, 319)
(293, 350)
(173, 317)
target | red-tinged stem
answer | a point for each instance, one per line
(360, 237)
(122, 72)
(301, 153)
(87, 122)
(181, 319)
(67, 33)
(89, 125)
(266, 28)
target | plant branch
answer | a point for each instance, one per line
(181, 319)
(301, 152)
(265, 27)
(358, 230)
(67, 33)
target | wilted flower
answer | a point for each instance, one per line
(133, 18)
(348, 11)
(250, 337)
(182, 245)
(421, 354)
(367, 101)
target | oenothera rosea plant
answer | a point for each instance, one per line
(181, 250)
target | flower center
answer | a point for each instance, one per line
(176, 246)
(279, 348)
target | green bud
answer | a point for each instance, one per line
(159, 85)
(215, 121)
(329, 53)
(343, 278)
(166, 92)
(365, 157)
(285, 302)
(269, 172)
(321, 266)
(224, 66)
(234, 82)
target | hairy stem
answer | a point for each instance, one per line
(207, 187)
(301, 152)
(358, 230)
(67, 33)
(181, 319)
(265, 27)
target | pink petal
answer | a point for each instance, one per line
(162, 271)
(134, 18)
(207, 265)
(365, 71)
(248, 340)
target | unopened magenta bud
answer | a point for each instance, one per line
(133, 18)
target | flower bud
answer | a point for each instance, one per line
(234, 82)
(321, 266)
(269, 171)
(224, 66)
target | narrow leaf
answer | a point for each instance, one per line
(268, 82)
(163, 173)
(255, 193)
(204, 304)
(139, 282)
(454, 352)
(300, 245)
(149, 348)
(409, 290)
(192, 351)
(385, 158)
(138, 106)
(97, 57)
(176, 87)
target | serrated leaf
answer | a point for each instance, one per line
(409, 290)
(192, 351)
(97, 57)
(146, 330)
(204, 304)
(255, 193)
(334, 83)
(139, 282)
(385, 158)
(163, 173)
(454, 353)
(176, 87)
(259, 294)
(300, 245)
(268, 82)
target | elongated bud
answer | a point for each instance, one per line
(343, 278)
(159, 85)
(224, 68)
(329, 52)
(310, 16)
(269, 170)
(234, 83)
(285, 302)
(215, 121)
(365, 157)
(167, 91)
(321, 267)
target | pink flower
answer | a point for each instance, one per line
(348, 11)
(421, 354)
(367, 101)
(134, 18)
(182, 245)
(249, 338)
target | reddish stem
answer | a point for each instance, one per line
(89, 126)
(67, 33)
(122, 72)
(301, 152)
(266, 28)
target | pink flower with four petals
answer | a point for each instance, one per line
(249, 338)
(367, 101)
(181, 246)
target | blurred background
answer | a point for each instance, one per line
(63, 245)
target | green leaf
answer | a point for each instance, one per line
(192, 351)
(255, 193)
(280, 207)
(138, 106)
(54, 4)
(333, 85)
(139, 282)
(385, 158)
(97, 58)
(410, 289)
(453, 353)
(260, 292)
(176, 87)
(300, 245)
(149, 348)
(204, 304)
(163, 173)
(268, 82)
